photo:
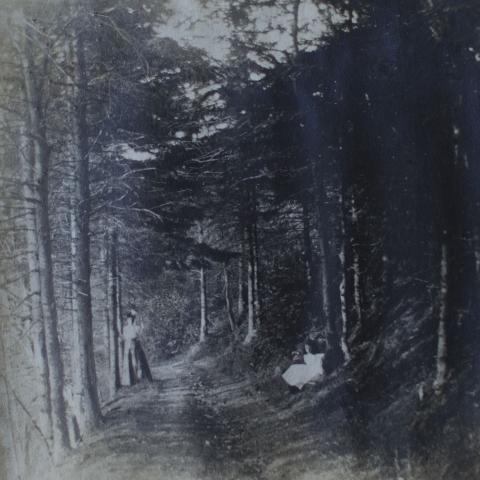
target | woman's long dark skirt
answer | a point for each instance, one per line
(142, 361)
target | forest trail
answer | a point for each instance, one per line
(195, 423)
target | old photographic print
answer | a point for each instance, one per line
(239, 240)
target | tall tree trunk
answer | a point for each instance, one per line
(40, 355)
(105, 269)
(477, 253)
(84, 356)
(78, 363)
(228, 303)
(324, 254)
(203, 288)
(241, 278)
(334, 339)
(325, 267)
(42, 222)
(27, 162)
(317, 301)
(250, 289)
(10, 357)
(13, 443)
(49, 312)
(256, 267)
(123, 367)
(441, 360)
(343, 293)
(114, 337)
(203, 306)
(357, 295)
(295, 26)
(351, 268)
(307, 246)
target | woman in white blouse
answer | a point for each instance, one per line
(135, 361)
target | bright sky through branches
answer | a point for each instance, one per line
(204, 25)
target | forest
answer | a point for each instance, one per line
(248, 177)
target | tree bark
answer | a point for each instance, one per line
(317, 300)
(113, 325)
(78, 363)
(442, 351)
(295, 26)
(343, 294)
(324, 254)
(13, 442)
(9, 316)
(27, 162)
(228, 303)
(250, 289)
(84, 356)
(124, 374)
(357, 296)
(241, 278)
(325, 267)
(105, 258)
(477, 253)
(49, 311)
(256, 267)
(42, 221)
(203, 306)
(307, 246)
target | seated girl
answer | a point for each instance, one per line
(298, 375)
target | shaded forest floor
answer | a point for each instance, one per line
(194, 422)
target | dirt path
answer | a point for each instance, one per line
(194, 423)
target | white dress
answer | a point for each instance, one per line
(298, 375)
(130, 334)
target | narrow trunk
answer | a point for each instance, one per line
(307, 246)
(8, 408)
(325, 267)
(323, 250)
(356, 267)
(49, 312)
(105, 270)
(250, 290)
(477, 253)
(112, 286)
(441, 361)
(78, 363)
(105, 254)
(203, 305)
(241, 279)
(84, 355)
(334, 339)
(228, 303)
(255, 264)
(40, 353)
(38, 328)
(42, 222)
(295, 26)
(124, 375)
(203, 288)
(350, 269)
(320, 280)
(343, 296)
(13, 442)
(323, 273)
